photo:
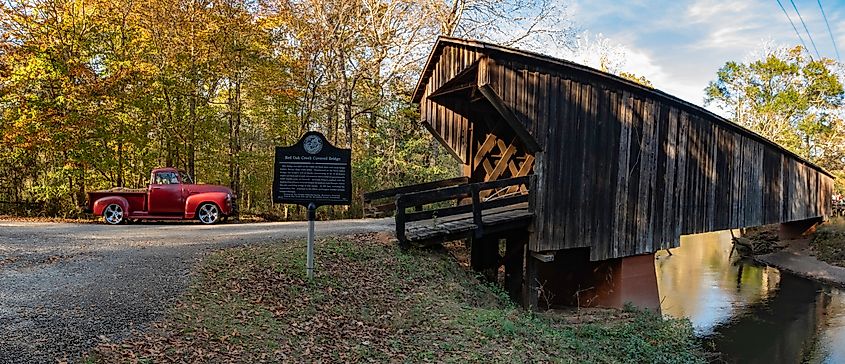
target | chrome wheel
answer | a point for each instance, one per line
(208, 213)
(113, 214)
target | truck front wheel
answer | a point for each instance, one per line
(113, 214)
(208, 213)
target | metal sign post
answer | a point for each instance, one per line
(309, 262)
(312, 173)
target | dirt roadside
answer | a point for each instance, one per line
(67, 287)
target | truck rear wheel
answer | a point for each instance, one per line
(113, 214)
(208, 213)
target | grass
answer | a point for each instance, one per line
(829, 242)
(370, 302)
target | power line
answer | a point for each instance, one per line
(793, 25)
(829, 31)
(805, 29)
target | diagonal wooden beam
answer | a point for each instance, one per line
(500, 167)
(465, 80)
(524, 169)
(488, 144)
(444, 92)
(488, 167)
(512, 119)
(512, 168)
(503, 163)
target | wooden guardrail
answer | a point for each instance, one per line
(473, 191)
(383, 203)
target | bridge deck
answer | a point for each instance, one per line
(462, 226)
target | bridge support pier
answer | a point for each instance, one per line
(515, 264)
(571, 279)
(797, 229)
(484, 257)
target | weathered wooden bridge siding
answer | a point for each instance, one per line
(620, 168)
(450, 125)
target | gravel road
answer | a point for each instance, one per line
(65, 287)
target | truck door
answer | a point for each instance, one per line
(165, 196)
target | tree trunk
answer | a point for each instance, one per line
(191, 136)
(234, 138)
(347, 117)
(120, 182)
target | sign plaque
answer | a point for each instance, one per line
(313, 171)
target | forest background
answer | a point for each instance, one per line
(95, 93)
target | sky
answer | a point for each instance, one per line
(680, 45)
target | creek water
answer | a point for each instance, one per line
(747, 312)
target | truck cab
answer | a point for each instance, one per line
(171, 195)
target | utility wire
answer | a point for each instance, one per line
(793, 25)
(805, 29)
(829, 31)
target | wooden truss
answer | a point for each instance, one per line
(499, 160)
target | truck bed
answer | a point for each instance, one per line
(137, 197)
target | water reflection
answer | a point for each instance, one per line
(703, 281)
(751, 314)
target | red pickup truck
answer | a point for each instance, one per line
(172, 195)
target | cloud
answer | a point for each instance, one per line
(680, 45)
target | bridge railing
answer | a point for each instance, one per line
(483, 196)
(383, 203)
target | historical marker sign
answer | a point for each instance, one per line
(313, 171)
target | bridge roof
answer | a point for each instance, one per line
(534, 58)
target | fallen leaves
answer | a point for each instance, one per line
(369, 302)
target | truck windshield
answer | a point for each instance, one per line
(165, 178)
(186, 179)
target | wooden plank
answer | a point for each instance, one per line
(551, 216)
(680, 203)
(480, 155)
(392, 192)
(601, 188)
(622, 181)
(435, 195)
(502, 164)
(589, 168)
(567, 210)
(544, 110)
(634, 175)
(710, 151)
(400, 220)
(614, 130)
(580, 155)
(668, 219)
(645, 238)
(543, 230)
(437, 213)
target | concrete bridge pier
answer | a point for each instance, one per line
(569, 278)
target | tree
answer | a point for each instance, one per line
(789, 98)
(599, 52)
(521, 23)
(95, 93)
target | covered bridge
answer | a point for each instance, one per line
(611, 171)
